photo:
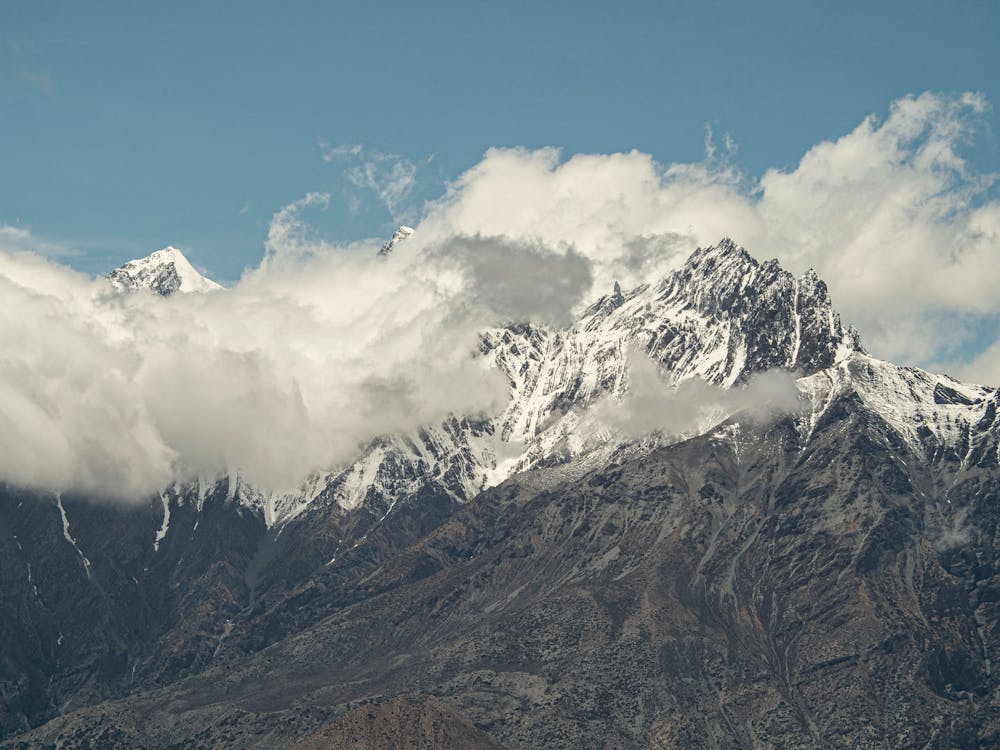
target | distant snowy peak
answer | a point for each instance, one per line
(166, 271)
(403, 233)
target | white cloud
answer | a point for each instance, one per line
(15, 239)
(606, 206)
(712, 151)
(904, 233)
(654, 404)
(332, 153)
(892, 218)
(307, 358)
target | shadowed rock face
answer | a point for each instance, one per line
(740, 589)
(144, 613)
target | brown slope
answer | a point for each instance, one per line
(407, 722)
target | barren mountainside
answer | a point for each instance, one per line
(824, 576)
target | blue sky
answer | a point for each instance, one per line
(129, 126)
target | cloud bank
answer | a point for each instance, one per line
(890, 215)
(323, 347)
(311, 355)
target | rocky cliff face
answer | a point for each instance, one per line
(827, 578)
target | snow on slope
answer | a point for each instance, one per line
(398, 236)
(936, 416)
(165, 271)
(723, 316)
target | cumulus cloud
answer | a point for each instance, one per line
(894, 220)
(605, 206)
(903, 231)
(653, 403)
(308, 357)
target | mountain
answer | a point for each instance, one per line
(403, 723)
(722, 317)
(824, 577)
(403, 233)
(165, 271)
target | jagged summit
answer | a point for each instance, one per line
(722, 316)
(724, 249)
(403, 233)
(165, 271)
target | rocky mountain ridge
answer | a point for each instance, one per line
(826, 576)
(722, 317)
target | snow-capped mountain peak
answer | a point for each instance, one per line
(403, 233)
(722, 317)
(165, 271)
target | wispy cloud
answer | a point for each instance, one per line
(333, 153)
(725, 150)
(15, 239)
(390, 177)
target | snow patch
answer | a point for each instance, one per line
(69, 537)
(165, 526)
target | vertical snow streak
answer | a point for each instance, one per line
(31, 580)
(798, 327)
(162, 532)
(69, 537)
